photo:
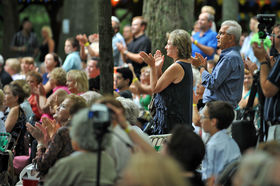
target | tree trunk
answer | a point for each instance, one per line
(230, 9)
(165, 16)
(82, 16)
(105, 47)
(10, 25)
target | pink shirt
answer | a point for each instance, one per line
(61, 87)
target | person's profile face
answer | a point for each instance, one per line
(68, 47)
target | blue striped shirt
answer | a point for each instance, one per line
(272, 104)
(226, 81)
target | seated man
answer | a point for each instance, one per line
(124, 79)
(221, 149)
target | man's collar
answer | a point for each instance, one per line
(135, 38)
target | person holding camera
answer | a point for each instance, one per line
(270, 84)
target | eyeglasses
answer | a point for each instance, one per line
(222, 33)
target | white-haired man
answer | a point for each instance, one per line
(226, 80)
(117, 38)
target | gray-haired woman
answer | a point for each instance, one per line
(80, 167)
(173, 88)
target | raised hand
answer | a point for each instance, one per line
(46, 137)
(93, 38)
(249, 65)
(35, 132)
(149, 59)
(198, 60)
(260, 52)
(121, 47)
(159, 59)
(82, 39)
(50, 126)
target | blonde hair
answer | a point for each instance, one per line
(80, 77)
(155, 169)
(208, 9)
(59, 75)
(28, 60)
(48, 30)
(181, 39)
(14, 64)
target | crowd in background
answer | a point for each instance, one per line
(49, 106)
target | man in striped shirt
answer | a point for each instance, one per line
(25, 42)
(270, 83)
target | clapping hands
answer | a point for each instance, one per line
(199, 61)
(154, 61)
(39, 133)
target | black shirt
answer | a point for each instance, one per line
(126, 94)
(5, 78)
(94, 83)
(141, 43)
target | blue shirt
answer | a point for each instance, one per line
(208, 39)
(226, 81)
(72, 62)
(272, 104)
(117, 38)
(221, 150)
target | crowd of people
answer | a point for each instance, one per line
(57, 117)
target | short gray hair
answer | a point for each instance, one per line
(82, 132)
(211, 17)
(91, 97)
(131, 110)
(233, 28)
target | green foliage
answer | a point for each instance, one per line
(127, 20)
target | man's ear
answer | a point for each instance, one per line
(232, 38)
(214, 122)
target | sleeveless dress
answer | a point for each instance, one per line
(18, 130)
(44, 49)
(174, 104)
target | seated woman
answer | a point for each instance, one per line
(247, 85)
(58, 79)
(77, 81)
(51, 62)
(80, 167)
(27, 64)
(25, 105)
(248, 82)
(34, 79)
(59, 146)
(15, 119)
